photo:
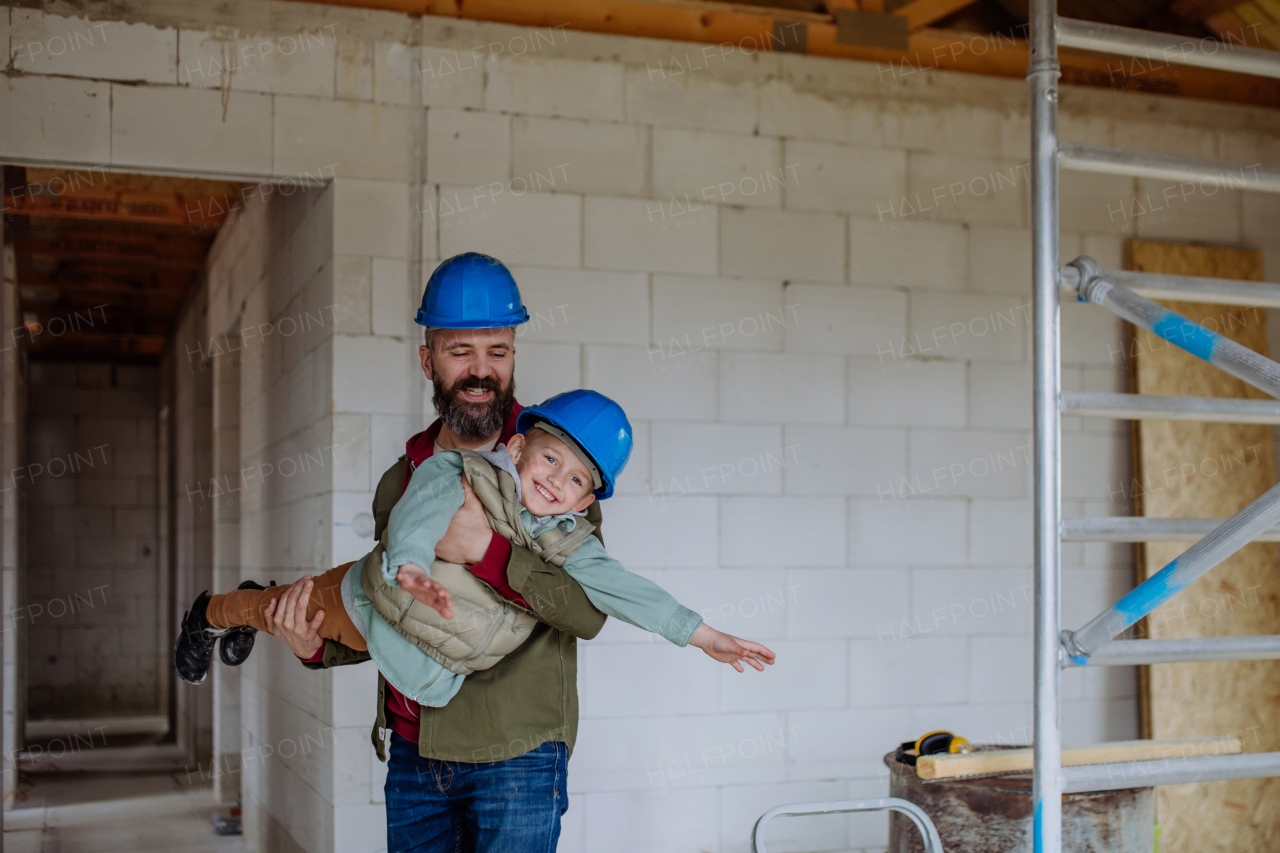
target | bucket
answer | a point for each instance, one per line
(993, 815)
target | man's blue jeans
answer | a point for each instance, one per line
(511, 806)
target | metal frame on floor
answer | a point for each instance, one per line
(1124, 294)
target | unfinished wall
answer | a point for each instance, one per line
(13, 398)
(269, 350)
(807, 280)
(93, 648)
(224, 504)
(188, 397)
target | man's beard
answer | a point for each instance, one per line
(472, 421)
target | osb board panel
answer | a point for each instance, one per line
(1184, 468)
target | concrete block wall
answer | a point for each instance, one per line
(807, 283)
(93, 649)
(13, 398)
(188, 417)
(224, 505)
(814, 306)
(271, 316)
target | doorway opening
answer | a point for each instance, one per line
(99, 555)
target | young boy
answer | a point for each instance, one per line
(568, 452)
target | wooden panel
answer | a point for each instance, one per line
(872, 29)
(1184, 469)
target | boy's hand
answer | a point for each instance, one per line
(414, 580)
(729, 649)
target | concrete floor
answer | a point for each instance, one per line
(101, 812)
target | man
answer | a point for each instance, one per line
(486, 772)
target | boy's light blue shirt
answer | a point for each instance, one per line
(420, 519)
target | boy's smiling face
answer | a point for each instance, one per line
(553, 480)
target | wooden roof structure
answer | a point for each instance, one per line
(915, 34)
(105, 260)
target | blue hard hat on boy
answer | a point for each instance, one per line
(596, 423)
(471, 291)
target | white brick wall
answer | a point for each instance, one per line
(725, 167)
(76, 47)
(894, 256)
(92, 528)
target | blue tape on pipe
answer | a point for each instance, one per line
(1037, 830)
(1192, 337)
(1149, 595)
(1080, 661)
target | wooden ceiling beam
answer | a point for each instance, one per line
(136, 245)
(921, 13)
(123, 206)
(58, 260)
(1199, 10)
(99, 344)
(89, 277)
(1233, 29)
(717, 23)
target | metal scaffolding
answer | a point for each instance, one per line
(1125, 294)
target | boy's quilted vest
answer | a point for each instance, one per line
(485, 626)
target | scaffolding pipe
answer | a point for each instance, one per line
(1139, 407)
(1129, 528)
(1043, 73)
(1162, 48)
(1146, 164)
(1220, 291)
(1229, 537)
(1220, 351)
(928, 832)
(1170, 771)
(1141, 652)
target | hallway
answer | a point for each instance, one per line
(100, 812)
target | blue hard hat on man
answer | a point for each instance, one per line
(471, 291)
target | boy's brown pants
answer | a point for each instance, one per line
(248, 607)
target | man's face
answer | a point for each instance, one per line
(471, 372)
(553, 480)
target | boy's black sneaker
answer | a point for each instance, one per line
(237, 643)
(193, 653)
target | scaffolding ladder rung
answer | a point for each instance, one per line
(1163, 48)
(1220, 291)
(1147, 164)
(1138, 652)
(1137, 407)
(1169, 771)
(1140, 529)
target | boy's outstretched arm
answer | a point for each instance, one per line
(729, 649)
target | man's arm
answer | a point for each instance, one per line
(553, 595)
(289, 623)
(549, 591)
